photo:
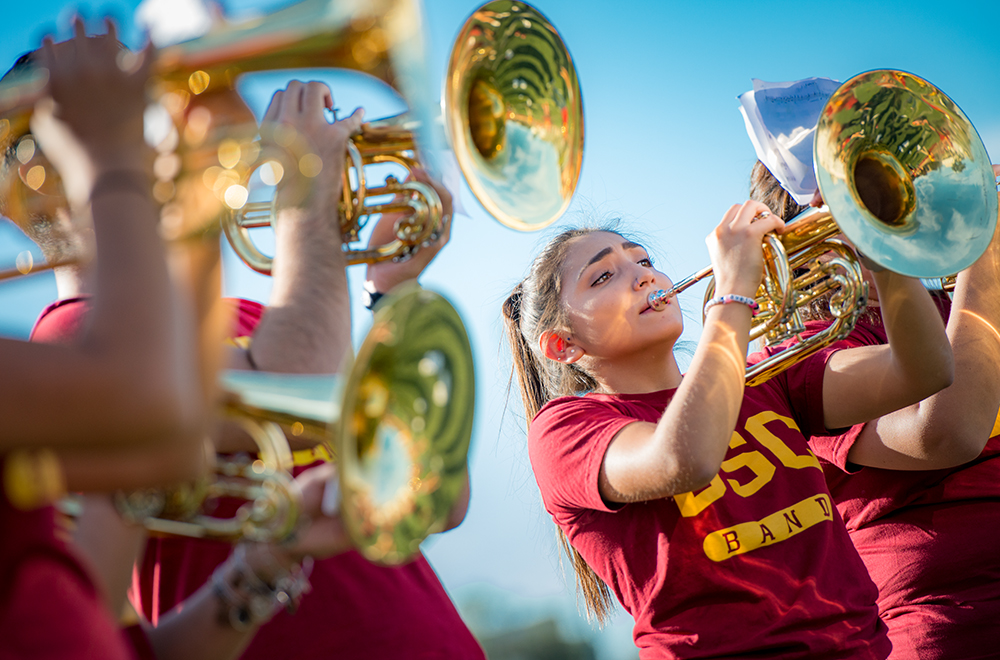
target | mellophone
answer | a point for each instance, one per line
(889, 180)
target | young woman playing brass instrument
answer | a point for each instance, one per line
(692, 498)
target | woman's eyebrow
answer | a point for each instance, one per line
(628, 245)
(593, 260)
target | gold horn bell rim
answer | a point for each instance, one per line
(514, 114)
(930, 205)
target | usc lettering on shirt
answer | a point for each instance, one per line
(777, 527)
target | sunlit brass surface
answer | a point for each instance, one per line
(379, 37)
(271, 499)
(910, 185)
(803, 265)
(515, 114)
(514, 118)
(905, 174)
(390, 140)
(399, 424)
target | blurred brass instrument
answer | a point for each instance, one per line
(381, 38)
(25, 265)
(906, 179)
(513, 116)
(270, 499)
(398, 425)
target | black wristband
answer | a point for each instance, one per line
(371, 298)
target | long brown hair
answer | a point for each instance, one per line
(533, 307)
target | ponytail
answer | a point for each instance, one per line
(526, 365)
(534, 306)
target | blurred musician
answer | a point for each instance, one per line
(355, 608)
(130, 379)
(919, 489)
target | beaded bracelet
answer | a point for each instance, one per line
(732, 298)
(250, 601)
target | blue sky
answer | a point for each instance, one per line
(666, 150)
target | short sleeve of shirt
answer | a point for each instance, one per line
(61, 322)
(246, 315)
(566, 444)
(802, 386)
(830, 445)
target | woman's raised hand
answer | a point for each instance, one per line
(91, 119)
(736, 247)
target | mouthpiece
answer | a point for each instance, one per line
(658, 299)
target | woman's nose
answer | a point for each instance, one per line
(643, 278)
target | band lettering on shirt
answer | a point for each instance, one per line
(792, 518)
(692, 503)
(762, 468)
(775, 528)
(756, 425)
(824, 502)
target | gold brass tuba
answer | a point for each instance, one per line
(398, 425)
(905, 177)
(514, 118)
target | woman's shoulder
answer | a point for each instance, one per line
(598, 401)
(594, 410)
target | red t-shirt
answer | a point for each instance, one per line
(49, 605)
(356, 609)
(930, 540)
(756, 564)
(62, 321)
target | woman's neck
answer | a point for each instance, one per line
(649, 370)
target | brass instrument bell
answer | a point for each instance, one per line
(515, 114)
(905, 174)
(398, 425)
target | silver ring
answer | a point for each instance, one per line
(760, 216)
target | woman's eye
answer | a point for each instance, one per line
(646, 262)
(603, 277)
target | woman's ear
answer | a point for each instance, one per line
(559, 347)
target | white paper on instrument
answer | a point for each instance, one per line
(781, 122)
(173, 21)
